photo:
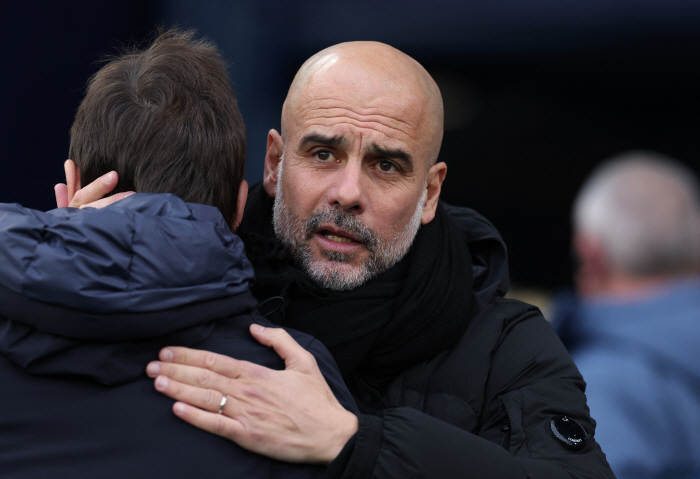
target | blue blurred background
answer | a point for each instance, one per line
(536, 92)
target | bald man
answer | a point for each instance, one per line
(351, 244)
(635, 331)
(366, 160)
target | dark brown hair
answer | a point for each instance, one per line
(166, 119)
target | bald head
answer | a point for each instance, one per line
(354, 173)
(370, 76)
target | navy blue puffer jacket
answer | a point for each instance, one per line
(87, 299)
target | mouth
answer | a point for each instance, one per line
(338, 235)
(342, 233)
(334, 237)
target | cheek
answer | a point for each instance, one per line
(393, 218)
(300, 195)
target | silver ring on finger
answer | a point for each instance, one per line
(222, 404)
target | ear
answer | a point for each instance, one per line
(594, 272)
(275, 148)
(72, 178)
(240, 206)
(436, 175)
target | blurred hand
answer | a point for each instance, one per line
(290, 415)
(72, 195)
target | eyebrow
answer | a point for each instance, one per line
(397, 154)
(318, 139)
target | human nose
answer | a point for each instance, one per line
(347, 191)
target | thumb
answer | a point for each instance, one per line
(295, 357)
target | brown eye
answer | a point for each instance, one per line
(386, 166)
(323, 155)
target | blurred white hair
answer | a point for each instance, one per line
(644, 208)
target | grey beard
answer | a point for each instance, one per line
(334, 273)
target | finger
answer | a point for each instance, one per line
(295, 357)
(203, 398)
(200, 407)
(192, 376)
(225, 365)
(108, 201)
(72, 178)
(61, 192)
(95, 190)
(214, 423)
(242, 398)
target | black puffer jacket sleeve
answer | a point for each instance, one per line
(528, 380)
(406, 443)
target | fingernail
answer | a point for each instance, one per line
(161, 383)
(179, 408)
(258, 329)
(166, 355)
(153, 369)
(109, 178)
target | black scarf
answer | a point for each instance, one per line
(402, 317)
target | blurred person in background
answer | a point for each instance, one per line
(634, 327)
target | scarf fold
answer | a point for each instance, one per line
(400, 318)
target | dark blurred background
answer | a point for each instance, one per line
(536, 93)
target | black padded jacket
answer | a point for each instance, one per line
(506, 401)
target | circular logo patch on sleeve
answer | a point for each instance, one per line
(569, 432)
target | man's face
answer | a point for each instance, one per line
(349, 197)
(340, 266)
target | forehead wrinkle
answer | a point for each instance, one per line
(394, 115)
(391, 134)
(360, 120)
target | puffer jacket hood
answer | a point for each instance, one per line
(84, 291)
(488, 252)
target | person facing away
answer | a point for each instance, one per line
(89, 296)
(350, 243)
(635, 328)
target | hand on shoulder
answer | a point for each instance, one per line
(290, 415)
